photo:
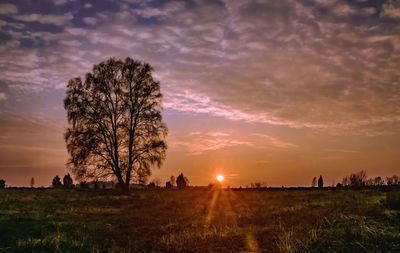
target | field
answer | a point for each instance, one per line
(197, 220)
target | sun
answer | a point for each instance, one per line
(220, 178)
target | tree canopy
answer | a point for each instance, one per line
(115, 122)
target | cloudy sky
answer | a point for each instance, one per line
(270, 91)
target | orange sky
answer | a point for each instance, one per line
(275, 92)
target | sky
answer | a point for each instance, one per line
(262, 91)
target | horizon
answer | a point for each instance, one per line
(277, 92)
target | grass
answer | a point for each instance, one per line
(198, 220)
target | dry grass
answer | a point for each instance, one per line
(197, 220)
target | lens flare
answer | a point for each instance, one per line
(220, 178)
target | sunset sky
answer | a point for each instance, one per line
(267, 91)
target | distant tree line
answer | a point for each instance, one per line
(360, 178)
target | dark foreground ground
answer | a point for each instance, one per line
(197, 220)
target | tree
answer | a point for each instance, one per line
(172, 180)
(32, 182)
(168, 184)
(320, 182)
(314, 182)
(67, 181)
(378, 181)
(2, 183)
(393, 180)
(115, 123)
(182, 181)
(56, 182)
(357, 179)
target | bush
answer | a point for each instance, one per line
(393, 200)
(67, 180)
(182, 181)
(56, 183)
(2, 183)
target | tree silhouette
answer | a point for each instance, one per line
(115, 124)
(320, 182)
(2, 183)
(182, 181)
(32, 182)
(357, 179)
(314, 182)
(172, 180)
(67, 181)
(378, 180)
(56, 182)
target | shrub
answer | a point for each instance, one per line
(67, 180)
(56, 182)
(182, 181)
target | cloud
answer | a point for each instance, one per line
(326, 65)
(3, 96)
(6, 9)
(275, 141)
(60, 2)
(198, 143)
(391, 9)
(90, 20)
(59, 20)
(342, 150)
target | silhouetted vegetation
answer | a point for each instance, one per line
(393, 180)
(115, 123)
(68, 182)
(2, 183)
(182, 181)
(257, 185)
(360, 179)
(355, 179)
(56, 183)
(314, 182)
(32, 182)
(172, 180)
(320, 182)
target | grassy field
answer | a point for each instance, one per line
(197, 220)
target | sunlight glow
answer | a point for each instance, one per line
(220, 178)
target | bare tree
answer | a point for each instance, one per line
(378, 181)
(393, 180)
(115, 123)
(32, 182)
(314, 182)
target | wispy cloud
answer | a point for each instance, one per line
(46, 19)
(275, 141)
(308, 67)
(8, 9)
(3, 96)
(199, 143)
